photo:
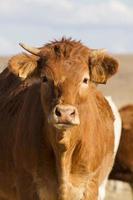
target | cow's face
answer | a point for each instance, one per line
(66, 70)
(64, 87)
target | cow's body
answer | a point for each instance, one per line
(58, 155)
(123, 167)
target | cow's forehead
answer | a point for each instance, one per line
(66, 69)
(67, 64)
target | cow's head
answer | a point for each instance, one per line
(67, 71)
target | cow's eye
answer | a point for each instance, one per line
(85, 80)
(44, 79)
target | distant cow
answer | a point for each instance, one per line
(123, 167)
(56, 128)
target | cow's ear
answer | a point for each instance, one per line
(23, 65)
(101, 66)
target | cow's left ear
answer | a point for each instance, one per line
(101, 66)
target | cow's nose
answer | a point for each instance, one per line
(66, 114)
(62, 111)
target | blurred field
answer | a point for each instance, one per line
(3, 62)
(117, 190)
(120, 87)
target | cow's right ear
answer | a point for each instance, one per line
(23, 65)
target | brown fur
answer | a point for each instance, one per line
(123, 167)
(39, 161)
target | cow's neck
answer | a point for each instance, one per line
(63, 148)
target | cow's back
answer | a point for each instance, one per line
(126, 144)
(8, 118)
(13, 94)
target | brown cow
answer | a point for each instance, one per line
(56, 128)
(123, 167)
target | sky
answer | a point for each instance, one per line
(97, 23)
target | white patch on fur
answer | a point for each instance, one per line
(102, 190)
(117, 132)
(117, 123)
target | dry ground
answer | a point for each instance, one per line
(120, 87)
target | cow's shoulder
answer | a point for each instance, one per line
(104, 108)
(13, 92)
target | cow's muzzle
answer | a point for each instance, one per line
(65, 116)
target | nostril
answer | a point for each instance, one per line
(57, 112)
(73, 113)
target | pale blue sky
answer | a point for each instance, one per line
(97, 23)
